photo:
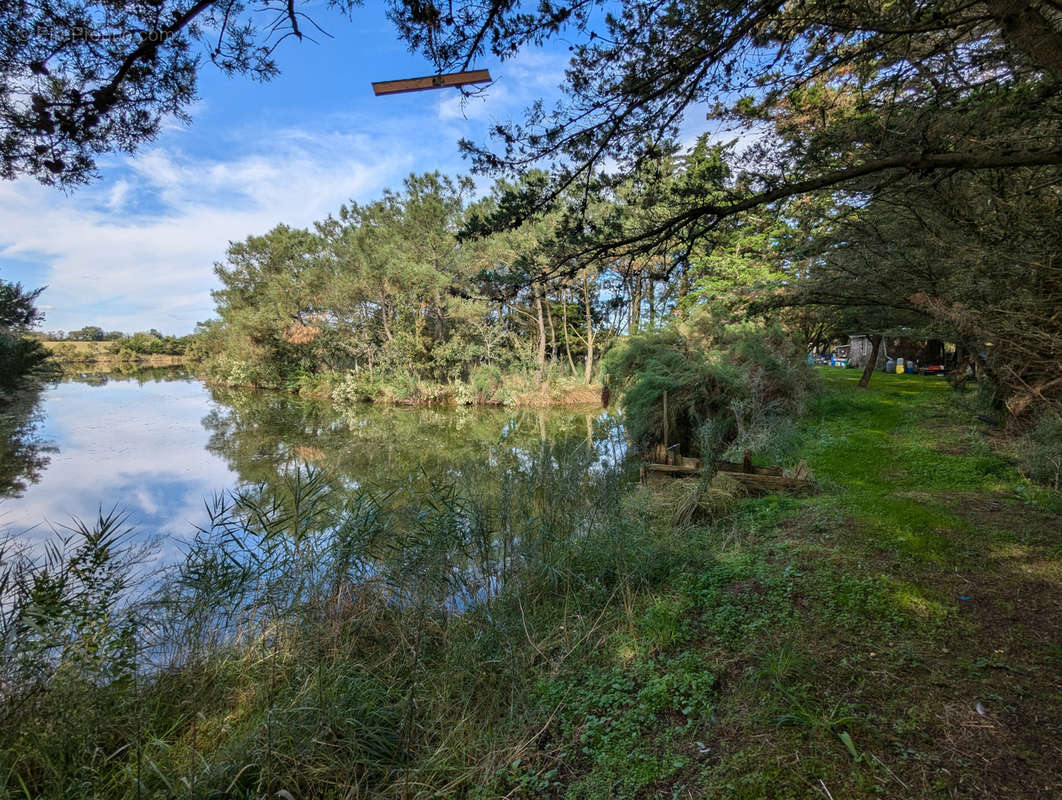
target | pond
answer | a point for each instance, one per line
(159, 444)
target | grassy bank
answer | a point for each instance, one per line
(553, 635)
(895, 635)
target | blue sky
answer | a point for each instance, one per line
(136, 249)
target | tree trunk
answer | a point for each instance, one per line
(540, 357)
(589, 372)
(552, 331)
(383, 317)
(440, 318)
(1028, 29)
(567, 338)
(636, 304)
(652, 303)
(868, 370)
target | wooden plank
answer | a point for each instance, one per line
(693, 465)
(770, 482)
(431, 82)
(765, 480)
(673, 468)
(735, 466)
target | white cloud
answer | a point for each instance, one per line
(137, 252)
(117, 196)
(111, 450)
(517, 83)
(538, 71)
(136, 249)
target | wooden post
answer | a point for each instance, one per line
(665, 426)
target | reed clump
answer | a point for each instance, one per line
(686, 501)
(303, 645)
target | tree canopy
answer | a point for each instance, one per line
(385, 290)
(861, 165)
(19, 356)
(851, 96)
(81, 78)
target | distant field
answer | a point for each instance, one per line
(79, 350)
(103, 353)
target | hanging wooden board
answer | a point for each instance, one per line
(431, 82)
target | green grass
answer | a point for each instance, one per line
(895, 634)
(847, 639)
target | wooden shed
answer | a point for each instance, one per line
(859, 349)
(924, 351)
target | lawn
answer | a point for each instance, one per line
(897, 634)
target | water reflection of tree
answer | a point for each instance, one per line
(263, 435)
(23, 452)
(125, 372)
(456, 497)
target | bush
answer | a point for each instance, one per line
(486, 385)
(355, 388)
(241, 372)
(20, 357)
(1042, 450)
(729, 386)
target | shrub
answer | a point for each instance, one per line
(240, 372)
(486, 385)
(20, 357)
(729, 386)
(1042, 450)
(355, 388)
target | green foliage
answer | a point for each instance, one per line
(902, 174)
(388, 294)
(485, 385)
(368, 293)
(354, 388)
(604, 714)
(71, 99)
(69, 640)
(20, 357)
(150, 343)
(92, 333)
(728, 386)
(253, 664)
(18, 309)
(1042, 448)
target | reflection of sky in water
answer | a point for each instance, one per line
(159, 449)
(141, 446)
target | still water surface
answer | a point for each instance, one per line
(158, 443)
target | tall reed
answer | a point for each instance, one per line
(311, 642)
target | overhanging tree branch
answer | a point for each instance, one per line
(907, 162)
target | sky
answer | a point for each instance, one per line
(135, 249)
